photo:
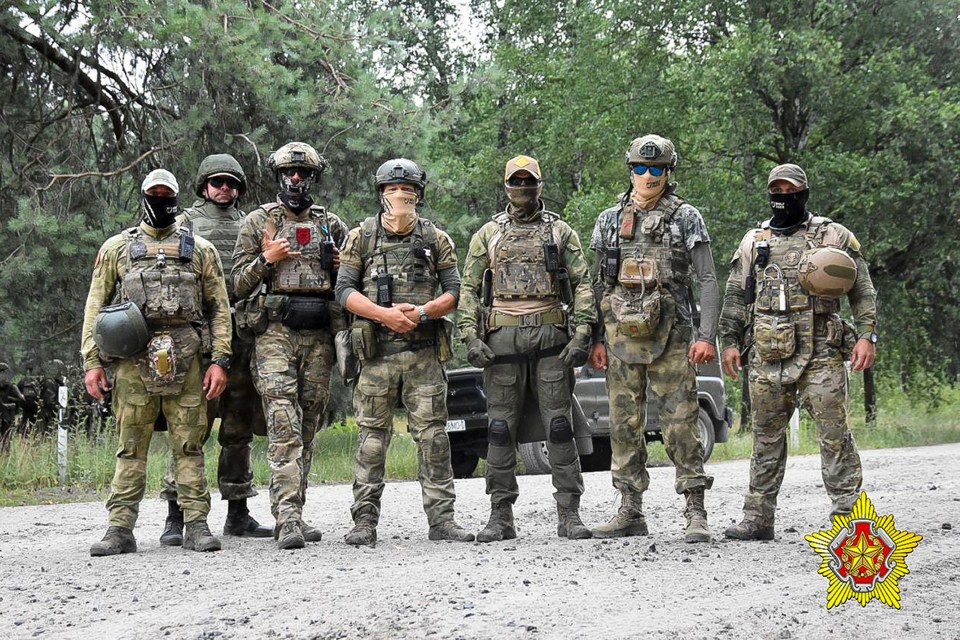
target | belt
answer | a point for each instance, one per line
(389, 348)
(554, 316)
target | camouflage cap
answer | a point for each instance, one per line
(160, 177)
(789, 172)
(522, 163)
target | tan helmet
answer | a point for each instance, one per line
(652, 150)
(296, 154)
(827, 272)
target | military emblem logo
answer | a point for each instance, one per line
(863, 556)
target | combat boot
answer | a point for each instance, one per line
(450, 530)
(240, 523)
(199, 538)
(749, 529)
(364, 531)
(500, 526)
(628, 521)
(172, 535)
(696, 515)
(569, 523)
(310, 532)
(290, 535)
(115, 541)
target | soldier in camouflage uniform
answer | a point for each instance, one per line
(285, 263)
(10, 399)
(176, 282)
(648, 248)
(394, 263)
(216, 216)
(798, 345)
(538, 279)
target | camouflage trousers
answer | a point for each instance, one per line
(137, 411)
(291, 370)
(241, 416)
(547, 380)
(822, 390)
(673, 380)
(417, 380)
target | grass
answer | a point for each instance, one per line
(28, 469)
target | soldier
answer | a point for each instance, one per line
(533, 262)
(786, 281)
(216, 216)
(50, 384)
(393, 265)
(285, 262)
(29, 387)
(164, 282)
(648, 248)
(10, 399)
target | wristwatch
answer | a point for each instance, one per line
(423, 315)
(262, 259)
(871, 336)
(223, 363)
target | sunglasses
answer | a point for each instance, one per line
(522, 182)
(655, 171)
(302, 172)
(216, 183)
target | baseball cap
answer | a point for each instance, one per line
(789, 172)
(159, 177)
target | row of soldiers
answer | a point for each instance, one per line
(305, 293)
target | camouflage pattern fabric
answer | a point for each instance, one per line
(415, 379)
(674, 381)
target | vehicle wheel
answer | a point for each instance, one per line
(534, 456)
(464, 464)
(599, 460)
(707, 434)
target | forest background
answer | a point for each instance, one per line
(862, 94)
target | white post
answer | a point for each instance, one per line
(62, 436)
(795, 429)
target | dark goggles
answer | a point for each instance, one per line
(515, 181)
(302, 172)
(220, 181)
(655, 170)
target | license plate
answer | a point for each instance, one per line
(456, 425)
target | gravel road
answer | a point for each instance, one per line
(537, 586)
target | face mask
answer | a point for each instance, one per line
(296, 196)
(789, 210)
(399, 212)
(647, 189)
(160, 211)
(524, 201)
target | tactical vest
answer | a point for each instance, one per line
(303, 274)
(412, 264)
(160, 278)
(219, 225)
(519, 260)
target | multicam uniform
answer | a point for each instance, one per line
(291, 309)
(176, 290)
(798, 345)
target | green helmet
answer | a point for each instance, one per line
(653, 150)
(120, 331)
(401, 170)
(219, 164)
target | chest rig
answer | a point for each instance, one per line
(310, 273)
(525, 259)
(219, 225)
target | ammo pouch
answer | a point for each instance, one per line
(363, 339)
(833, 331)
(306, 313)
(251, 317)
(637, 316)
(348, 366)
(775, 337)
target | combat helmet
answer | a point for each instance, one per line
(652, 149)
(296, 154)
(401, 170)
(120, 330)
(827, 272)
(219, 164)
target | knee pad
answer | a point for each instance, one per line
(560, 430)
(373, 448)
(499, 433)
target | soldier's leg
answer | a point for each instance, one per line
(187, 429)
(627, 393)
(316, 363)
(237, 406)
(136, 411)
(823, 391)
(506, 387)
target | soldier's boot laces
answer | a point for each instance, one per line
(628, 521)
(500, 526)
(570, 525)
(115, 541)
(748, 529)
(241, 524)
(364, 532)
(172, 535)
(450, 530)
(198, 537)
(290, 535)
(696, 515)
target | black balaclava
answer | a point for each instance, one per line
(789, 210)
(160, 211)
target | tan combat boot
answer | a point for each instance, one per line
(450, 530)
(290, 535)
(569, 523)
(197, 537)
(628, 521)
(500, 526)
(364, 531)
(115, 541)
(749, 529)
(696, 515)
(310, 532)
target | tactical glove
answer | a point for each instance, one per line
(479, 354)
(577, 351)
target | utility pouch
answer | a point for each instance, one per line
(251, 317)
(639, 272)
(566, 289)
(348, 365)
(275, 307)
(187, 244)
(834, 332)
(363, 339)
(637, 316)
(652, 226)
(775, 337)
(444, 339)
(551, 257)
(486, 288)
(385, 290)
(326, 255)
(611, 265)
(306, 314)
(163, 358)
(849, 339)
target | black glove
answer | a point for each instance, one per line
(479, 354)
(577, 351)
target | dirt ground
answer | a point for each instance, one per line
(537, 586)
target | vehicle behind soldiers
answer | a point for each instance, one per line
(648, 247)
(399, 277)
(152, 286)
(782, 304)
(216, 216)
(285, 262)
